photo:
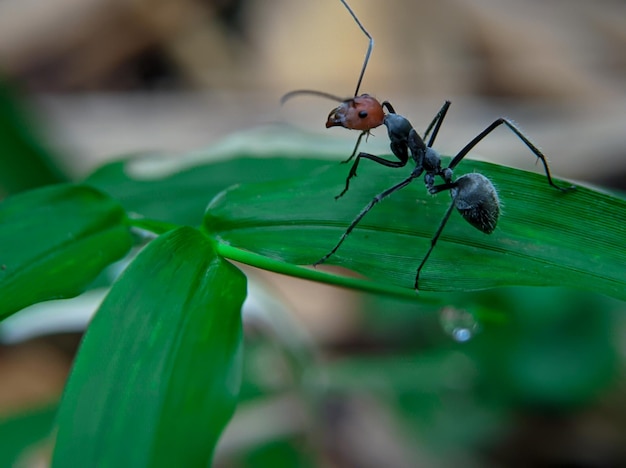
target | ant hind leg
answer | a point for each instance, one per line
(495, 124)
(433, 242)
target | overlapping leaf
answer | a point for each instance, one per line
(54, 241)
(157, 375)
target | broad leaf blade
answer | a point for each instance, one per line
(544, 237)
(164, 395)
(54, 241)
(182, 195)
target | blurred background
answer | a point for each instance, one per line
(111, 77)
(102, 79)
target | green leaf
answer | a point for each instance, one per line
(181, 195)
(19, 433)
(157, 376)
(54, 242)
(544, 237)
(24, 162)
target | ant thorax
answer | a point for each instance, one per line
(432, 162)
(398, 127)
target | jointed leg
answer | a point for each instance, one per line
(461, 154)
(436, 123)
(365, 210)
(377, 159)
(434, 189)
(387, 105)
(433, 242)
(356, 147)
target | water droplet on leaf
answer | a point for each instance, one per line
(458, 323)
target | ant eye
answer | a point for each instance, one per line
(363, 114)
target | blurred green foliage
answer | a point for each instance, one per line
(25, 162)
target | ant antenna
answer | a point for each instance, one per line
(369, 47)
(310, 92)
(300, 92)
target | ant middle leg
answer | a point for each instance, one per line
(381, 196)
(495, 124)
(402, 160)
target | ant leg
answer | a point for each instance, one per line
(434, 189)
(370, 205)
(433, 241)
(385, 162)
(387, 105)
(461, 154)
(356, 147)
(436, 123)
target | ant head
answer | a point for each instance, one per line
(362, 112)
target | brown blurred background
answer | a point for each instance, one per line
(119, 76)
(107, 78)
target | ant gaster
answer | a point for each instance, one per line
(473, 195)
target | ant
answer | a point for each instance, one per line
(473, 195)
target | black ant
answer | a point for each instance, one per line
(473, 195)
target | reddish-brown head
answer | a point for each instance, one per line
(362, 112)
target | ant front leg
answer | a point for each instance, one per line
(502, 121)
(403, 158)
(356, 147)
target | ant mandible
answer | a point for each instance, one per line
(473, 195)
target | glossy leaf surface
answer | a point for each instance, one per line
(157, 375)
(543, 238)
(181, 195)
(54, 241)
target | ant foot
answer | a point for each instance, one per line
(343, 192)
